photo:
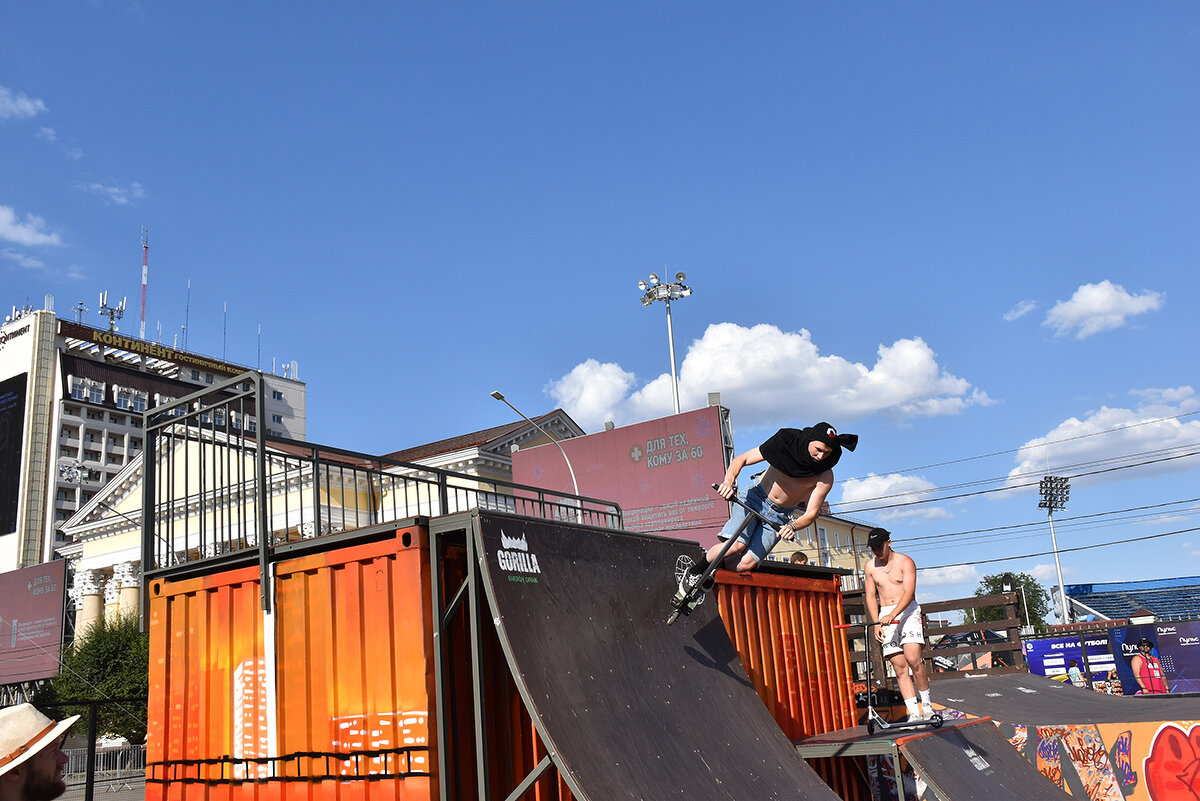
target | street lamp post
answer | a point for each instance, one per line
(1055, 490)
(666, 293)
(500, 397)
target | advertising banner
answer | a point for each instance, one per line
(1052, 656)
(31, 621)
(12, 426)
(661, 472)
(1175, 644)
(1179, 653)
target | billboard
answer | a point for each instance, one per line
(661, 472)
(1176, 644)
(31, 621)
(12, 426)
(1052, 656)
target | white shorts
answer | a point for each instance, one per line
(908, 627)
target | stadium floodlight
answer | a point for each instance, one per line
(1055, 490)
(667, 293)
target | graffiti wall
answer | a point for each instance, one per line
(1113, 761)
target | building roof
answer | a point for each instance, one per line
(475, 439)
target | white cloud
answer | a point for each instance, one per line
(21, 260)
(1113, 437)
(1048, 575)
(47, 134)
(1099, 307)
(875, 490)
(18, 106)
(117, 195)
(29, 232)
(592, 391)
(74, 153)
(773, 378)
(954, 574)
(1020, 310)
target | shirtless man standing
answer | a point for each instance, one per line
(891, 599)
(799, 474)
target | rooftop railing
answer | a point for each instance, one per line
(216, 484)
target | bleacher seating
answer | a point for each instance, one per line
(1166, 598)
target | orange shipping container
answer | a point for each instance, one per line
(333, 693)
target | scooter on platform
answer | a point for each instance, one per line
(874, 719)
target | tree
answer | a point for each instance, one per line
(1035, 596)
(111, 659)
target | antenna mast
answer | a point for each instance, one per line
(145, 271)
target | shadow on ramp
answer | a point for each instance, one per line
(627, 707)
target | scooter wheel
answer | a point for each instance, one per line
(936, 720)
(870, 727)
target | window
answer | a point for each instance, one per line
(277, 418)
(139, 402)
(77, 391)
(135, 443)
(277, 395)
(208, 378)
(195, 375)
(122, 400)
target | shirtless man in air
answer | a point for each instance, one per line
(799, 474)
(891, 599)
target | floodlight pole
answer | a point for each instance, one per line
(666, 293)
(1054, 491)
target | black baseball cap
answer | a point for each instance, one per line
(878, 536)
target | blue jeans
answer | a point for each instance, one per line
(759, 538)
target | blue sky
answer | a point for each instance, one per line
(963, 231)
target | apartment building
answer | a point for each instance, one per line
(71, 404)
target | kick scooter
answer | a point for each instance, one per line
(684, 604)
(874, 719)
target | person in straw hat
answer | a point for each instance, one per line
(31, 757)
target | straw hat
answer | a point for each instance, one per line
(24, 732)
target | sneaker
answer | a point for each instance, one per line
(916, 717)
(688, 583)
(929, 712)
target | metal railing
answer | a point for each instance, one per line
(216, 484)
(113, 765)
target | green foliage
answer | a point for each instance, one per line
(111, 659)
(1035, 596)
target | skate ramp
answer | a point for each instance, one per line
(628, 707)
(1035, 700)
(975, 761)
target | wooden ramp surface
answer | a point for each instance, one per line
(628, 707)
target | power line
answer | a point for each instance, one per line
(1009, 488)
(1065, 550)
(1042, 445)
(1065, 522)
